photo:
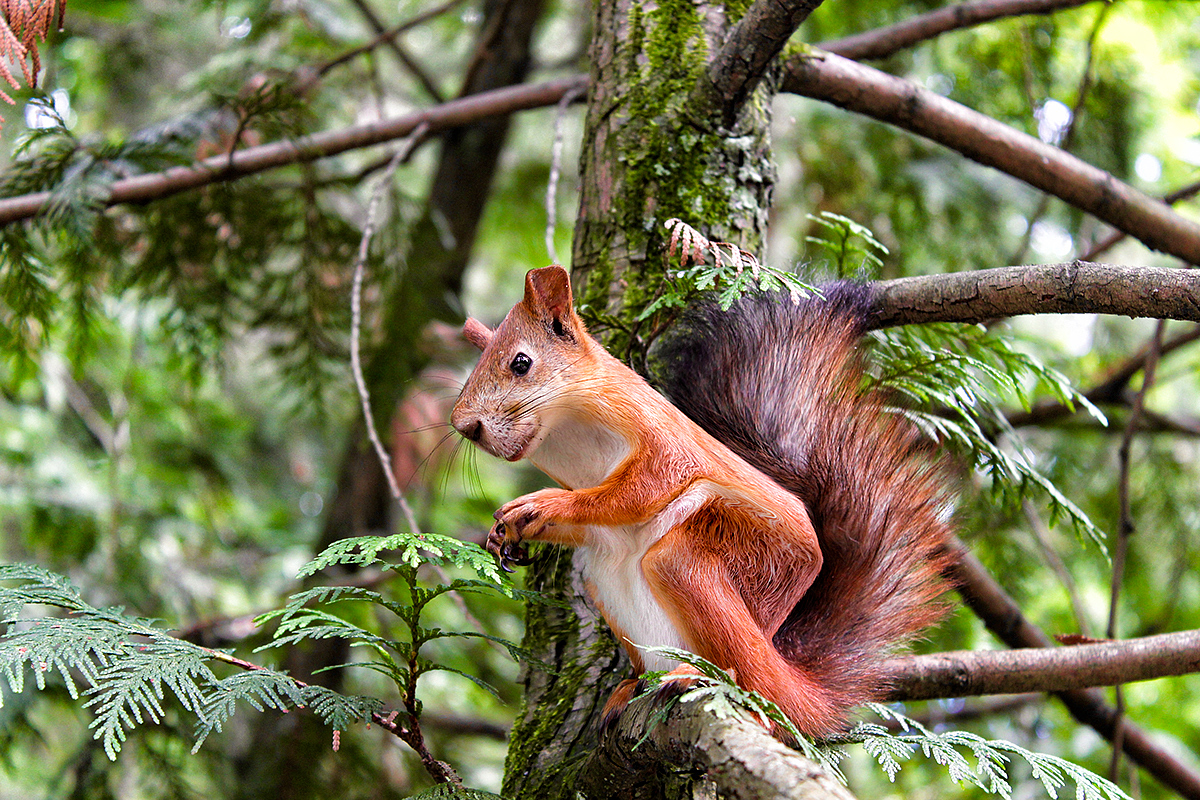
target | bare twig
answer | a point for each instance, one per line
(935, 714)
(1126, 527)
(389, 35)
(360, 264)
(883, 42)
(858, 88)
(402, 55)
(1068, 136)
(556, 168)
(439, 770)
(1111, 388)
(1116, 237)
(1041, 532)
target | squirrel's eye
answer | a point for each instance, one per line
(520, 364)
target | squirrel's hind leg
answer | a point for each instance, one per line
(699, 595)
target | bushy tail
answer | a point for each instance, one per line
(781, 384)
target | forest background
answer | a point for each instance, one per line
(181, 426)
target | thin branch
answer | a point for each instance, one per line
(452, 114)
(439, 770)
(970, 673)
(389, 35)
(883, 42)
(555, 169)
(1068, 137)
(1116, 237)
(1111, 388)
(1073, 288)
(403, 56)
(1041, 532)
(1003, 617)
(759, 36)
(360, 265)
(935, 714)
(1126, 526)
(855, 87)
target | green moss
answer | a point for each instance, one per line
(736, 9)
(669, 160)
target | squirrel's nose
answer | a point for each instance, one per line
(470, 428)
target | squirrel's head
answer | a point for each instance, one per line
(520, 386)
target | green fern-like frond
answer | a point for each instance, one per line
(450, 791)
(130, 666)
(706, 266)
(130, 691)
(989, 756)
(412, 550)
(266, 689)
(854, 248)
(306, 614)
(952, 379)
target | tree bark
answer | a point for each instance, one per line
(693, 753)
(1075, 288)
(653, 151)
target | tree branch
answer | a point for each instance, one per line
(455, 113)
(696, 753)
(1108, 390)
(1073, 288)
(1003, 617)
(402, 55)
(389, 35)
(1116, 237)
(1044, 669)
(857, 88)
(753, 44)
(883, 42)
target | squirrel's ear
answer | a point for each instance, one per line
(548, 297)
(477, 333)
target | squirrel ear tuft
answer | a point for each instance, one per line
(477, 333)
(548, 297)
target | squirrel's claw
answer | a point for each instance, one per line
(515, 553)
(507, 553)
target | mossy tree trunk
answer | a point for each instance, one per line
(662, 140)
(655, 147)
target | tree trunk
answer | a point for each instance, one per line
(654, 147)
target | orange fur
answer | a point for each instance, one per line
(686, 544)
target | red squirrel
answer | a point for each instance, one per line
(776, 520)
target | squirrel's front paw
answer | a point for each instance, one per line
(526, 517)
(519, 520)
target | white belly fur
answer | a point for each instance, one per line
(612, 564)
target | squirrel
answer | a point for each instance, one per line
(773, 518)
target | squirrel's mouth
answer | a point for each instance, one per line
(521, 448)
